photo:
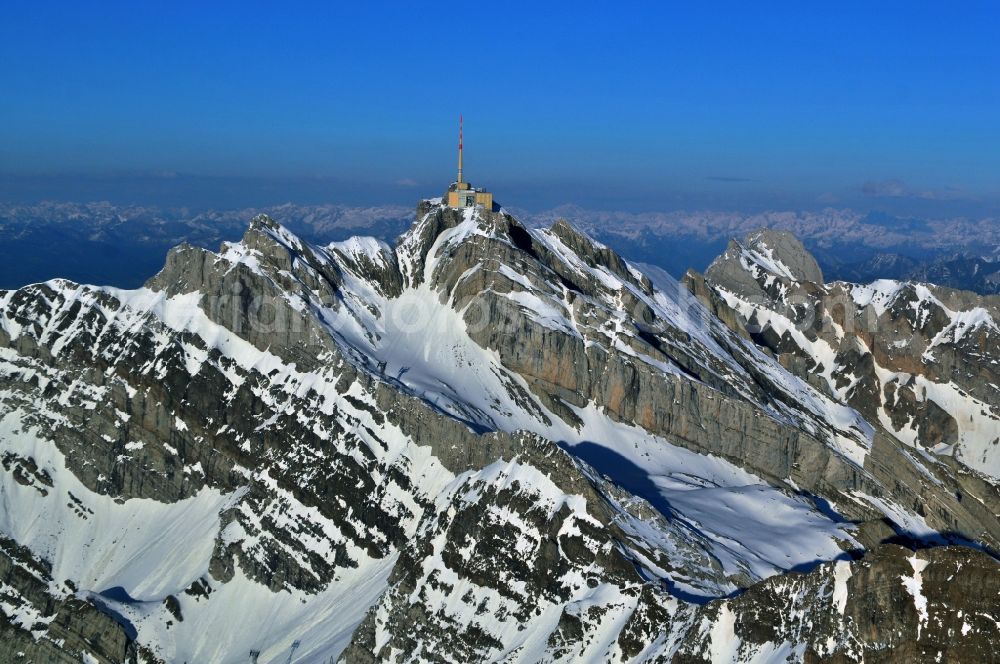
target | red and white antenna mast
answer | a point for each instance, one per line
(460, 148)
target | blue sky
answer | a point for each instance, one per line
(646, 105)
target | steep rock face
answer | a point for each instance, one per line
(920, 360)
(580, 326)
(485, 443)
(895, 605)
(779, 252)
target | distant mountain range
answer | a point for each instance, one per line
(959, 252)
(123, 245)
(975, 273)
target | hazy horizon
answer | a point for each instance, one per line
(204, 193)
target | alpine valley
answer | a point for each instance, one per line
(490, 443)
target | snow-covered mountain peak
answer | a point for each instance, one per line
(918, 359)
(486, 443)
(770, 252)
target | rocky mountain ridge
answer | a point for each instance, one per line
(918, 358)
(488, 443)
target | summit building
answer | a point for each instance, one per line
(461, 194)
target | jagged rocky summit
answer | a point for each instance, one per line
(921, 360)
(490, 443)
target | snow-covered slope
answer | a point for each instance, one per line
(484, 444)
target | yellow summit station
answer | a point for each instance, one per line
(461, 194)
